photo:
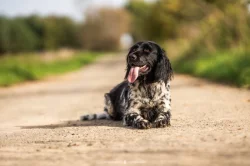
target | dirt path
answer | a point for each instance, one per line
(38, 126)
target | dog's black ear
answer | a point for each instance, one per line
(163, 70)
(128, 67)
(127, 72)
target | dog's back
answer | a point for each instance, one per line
(115, 104)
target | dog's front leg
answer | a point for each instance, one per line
(133, 118)
(164, 114)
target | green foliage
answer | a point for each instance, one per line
(219, 24)
(16, 36)
(166, 18)
(140, 12)
(161, 20)
(37, 26)
(4, 37)
(221, 51)
(25, 34)
(231, 67)
(227, 28)
(16, 69)
(21, 38)
(60, 32)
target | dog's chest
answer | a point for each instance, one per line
(149, 95)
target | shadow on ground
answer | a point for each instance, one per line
(76, 123)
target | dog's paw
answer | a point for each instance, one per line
(142, 124)
(162, 121)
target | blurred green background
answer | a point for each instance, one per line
(204, 38)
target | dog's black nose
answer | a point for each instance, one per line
(132, 57)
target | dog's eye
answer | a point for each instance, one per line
(146, 50)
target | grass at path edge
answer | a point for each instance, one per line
(231, 67)
(20, 68)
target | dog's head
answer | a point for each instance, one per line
(147, 61)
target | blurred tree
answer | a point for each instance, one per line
(4, 34)
(103, 28)
(223, 27)
(71, 30)
(140, 12)
(161, 20)
(34, 33)
(16, 36)
(228, 27)
(37, 26)
(21, 37)
(60, 32)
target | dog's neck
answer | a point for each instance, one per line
(146, 80)
(145, 83)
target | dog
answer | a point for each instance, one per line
(143, 99)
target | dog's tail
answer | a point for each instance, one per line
(108, 110)
(95, 116)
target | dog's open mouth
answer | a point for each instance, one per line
(134, 72)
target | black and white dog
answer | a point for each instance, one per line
(143, 100)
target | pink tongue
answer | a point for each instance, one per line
(133, 74)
